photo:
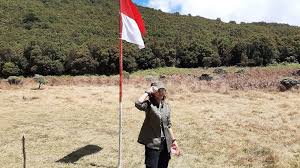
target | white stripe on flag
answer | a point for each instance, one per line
(131, 32)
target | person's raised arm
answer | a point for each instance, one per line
(142, 103)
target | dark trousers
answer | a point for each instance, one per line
(157, 158)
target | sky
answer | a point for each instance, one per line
(279, 11)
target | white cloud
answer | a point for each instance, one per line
(281, 11)
(164, 5)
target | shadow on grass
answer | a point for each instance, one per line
(37, 88)
(79, 153)
(95, 165)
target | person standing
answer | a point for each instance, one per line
(156, 133)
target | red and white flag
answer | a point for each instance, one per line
(133, 28)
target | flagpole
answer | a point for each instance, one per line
(121, 89)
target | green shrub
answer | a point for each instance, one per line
(14, 80)
(10, 69)
(207, 61)
(41, 80)
(44, 59)
(29, 20)
(126, 75)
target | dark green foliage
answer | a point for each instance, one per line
(82, 37)
(11, 63)
(207, 61)
(260, 52)
(81, 62)
(236, 54)
(289, 50)
(169, 56)
(288, 83)
(223, 48)
(192, 56)
(14, 80)
(10, 69)
(44, 59)
(108, 62)
(5, 56)
(187, 56)
(29, 20)
(147, 59)
(216, 60)
(206, 77)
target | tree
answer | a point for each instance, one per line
(14, 60)
(216, 60)
(44, 59)
(207, 61)
(237, 53)
(223, 46)
(80, 62)
(5, 56)
(129, 59)
(169, 56)
(108, 61)
(289, 50)
(10, 69)
(147, 59)
(187, 58)
(192, 55)
(261, 52)
(41, 80)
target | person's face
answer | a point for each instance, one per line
(160, 94)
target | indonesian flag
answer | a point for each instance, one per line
(133, 28)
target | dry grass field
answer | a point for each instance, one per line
(215, 128)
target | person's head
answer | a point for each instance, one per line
(159, 90)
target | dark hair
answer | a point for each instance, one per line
(163, 99)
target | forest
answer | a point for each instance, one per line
(66, 37)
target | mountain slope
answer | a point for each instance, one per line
(72, 23)
(46, 36)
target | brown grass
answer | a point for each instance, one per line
(266, 79)
(216, 126)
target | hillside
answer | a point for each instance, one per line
(46, 36)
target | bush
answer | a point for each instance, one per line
(108, 62)
(291, 59)
(83, 65)
(147, 59)
(126, 75)
(10, 69)
(45, 59)
(10, 63)
(41, 80)
(240, 71)
(206, 77)
(14, 80)
(29, 20)
(289, 83)
(207, 61)
(219, 71)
